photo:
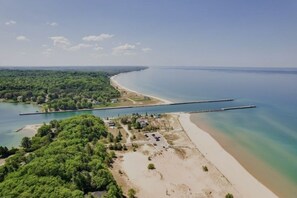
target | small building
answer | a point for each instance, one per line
(114, 100)
(143, 122)
(111, 124)
(95, 102)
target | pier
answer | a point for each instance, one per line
(225, 109)
(136, 106)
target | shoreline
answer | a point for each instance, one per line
(115, 83)
(29, 130)
(262, 171)
(244, 181)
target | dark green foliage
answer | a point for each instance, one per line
(5, 152)
(229, 195)
(124, 120)
(137, 125)
(116, 146)
(205, 169)
(119, 137)
(44, 130)
(131, 193)
(151, 166)
(26, 143)
(68, 165)
(56, 90)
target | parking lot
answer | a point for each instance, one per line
(157, 140)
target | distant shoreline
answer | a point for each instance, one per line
(115, 83)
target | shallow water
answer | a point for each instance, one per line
(10, 120)
(268, 133)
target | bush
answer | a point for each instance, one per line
(205, 168)
(151, 167)
(229, 195)
(131, 193)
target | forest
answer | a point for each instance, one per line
(65, 158)
(57, 90)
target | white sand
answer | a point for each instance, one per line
(30, 130)
(185, 178)
(240, 178)
(114, 82)
(174, 177)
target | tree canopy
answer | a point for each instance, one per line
(56, 90)
(65, 161)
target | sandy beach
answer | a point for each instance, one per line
(242, 180)
(179, 169)
(185, 182)
(30, 130)
(116, 84)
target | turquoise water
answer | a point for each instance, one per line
(10, 120)
(268, 132)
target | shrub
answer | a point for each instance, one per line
(229, 195)
(131, 193)
(151, 166)
(205, 168)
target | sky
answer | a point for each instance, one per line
(254, 33)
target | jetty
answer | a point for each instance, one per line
(135, 106)
(225, 109)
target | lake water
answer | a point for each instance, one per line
(264, 140)
(11, 121)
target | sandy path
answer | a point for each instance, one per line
(125, 127)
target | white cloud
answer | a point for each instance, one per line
(60, 41)
(22, 38)
(98, 48)
(47, 52)
(100, 37)
(147, 49)
(79, 46)
(11, 22)
(52, 24)
(126, 49)
(138, 43)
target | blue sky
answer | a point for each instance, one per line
(152, 32)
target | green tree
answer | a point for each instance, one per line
(44, 130)
(4, 152)
(26, 143)
(69, 165)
